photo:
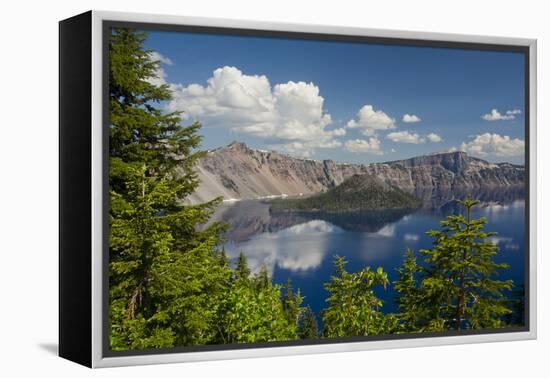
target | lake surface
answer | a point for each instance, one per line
(301, 247)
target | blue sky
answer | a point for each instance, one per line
(346, 101)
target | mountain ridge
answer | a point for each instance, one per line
(237, 172)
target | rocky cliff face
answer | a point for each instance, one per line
(239, 172)
(448, 170)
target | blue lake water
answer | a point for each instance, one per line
(301, 247)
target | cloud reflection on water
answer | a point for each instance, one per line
(298, 248)
(387, 231)
(504, 242)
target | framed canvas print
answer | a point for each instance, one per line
(235, 189)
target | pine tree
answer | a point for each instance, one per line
(309, 328)
(407, 297)
(242, 271)
(459, 289)
(354, 308)
(262, 279)
(163, 281)
(292, 303)
(224, 260)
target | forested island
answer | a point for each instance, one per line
(360, 192)
(171, 283)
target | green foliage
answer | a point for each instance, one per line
(308, 328)
(262, 279)
(242, 270)
(292, 305)
(224, 260)
(251, 310)
(354, 308)
(459, 288)
(137, 127)
(406, 287)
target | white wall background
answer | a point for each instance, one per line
(28, 190)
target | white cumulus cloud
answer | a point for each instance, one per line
(495, 115)
(372, 145)
(494, 145)
(291, 114)
(160, 78)
(411, 118)
(405, 137)
(434, 138)
(302, 149)
(368, 121)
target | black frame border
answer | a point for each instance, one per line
(75, 188)
(107, 25)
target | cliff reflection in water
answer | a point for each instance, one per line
(251, 217)
(445, 200)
